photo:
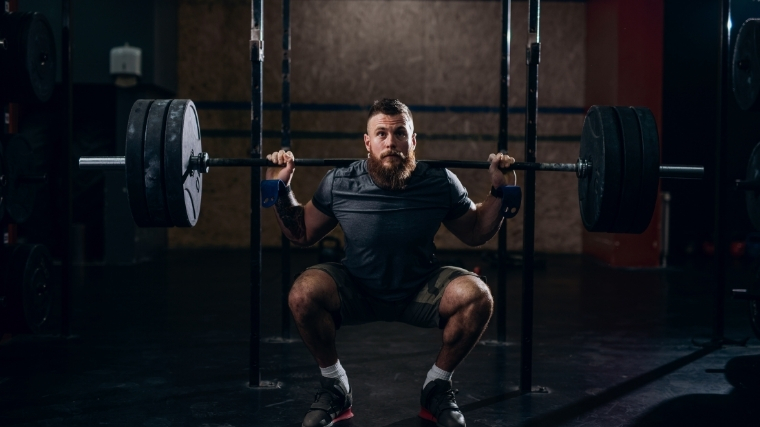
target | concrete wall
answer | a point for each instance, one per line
(347, 53)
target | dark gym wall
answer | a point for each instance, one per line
(690, 121)
(429, 54)
(97, 26)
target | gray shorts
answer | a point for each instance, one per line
(419, 310)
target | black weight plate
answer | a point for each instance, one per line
(19, 166)
(3, 181)
(753, 197)
(27, 288)
(754, 305)
(599, 191)
(134, 161)
(183, 186)
(631, 180)
(746, 65)
(28, 62)
(650, 170)
(153, 158)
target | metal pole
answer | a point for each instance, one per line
(506, 35)
(64, 156)
(257, 71)
(721, 151)
(285, 145)
(533, 57)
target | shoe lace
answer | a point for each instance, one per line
(321, 392)
(451, 393)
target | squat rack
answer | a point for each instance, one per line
(256, 48)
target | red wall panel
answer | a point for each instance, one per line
(624, 45)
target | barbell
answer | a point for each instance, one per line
(618, 168)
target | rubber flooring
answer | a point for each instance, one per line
(167, 344)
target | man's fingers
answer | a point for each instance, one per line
(281, 157)
(501, 160)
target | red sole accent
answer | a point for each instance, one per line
(426, 415)
(344, 415)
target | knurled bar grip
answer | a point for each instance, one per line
(117, 163)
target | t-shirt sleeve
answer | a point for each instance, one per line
(323, 199)
(460, 202)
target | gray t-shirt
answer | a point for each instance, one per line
(389, 233)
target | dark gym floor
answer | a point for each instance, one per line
(166, 344)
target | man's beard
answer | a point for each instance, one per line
(394, 175)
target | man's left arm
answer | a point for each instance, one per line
(482, 221)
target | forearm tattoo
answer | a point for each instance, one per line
(291, 215)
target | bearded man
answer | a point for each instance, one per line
(389, 208)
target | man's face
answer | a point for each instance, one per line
(390, 139)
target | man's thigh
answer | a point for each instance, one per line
(355, 308)
(422, 311)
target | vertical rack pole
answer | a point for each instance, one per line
(506, 35)
(257, 70)
(533, 57)
(721, 151)
(65, 164)
(285, 145)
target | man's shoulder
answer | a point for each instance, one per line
(353, 170)
(426, 171)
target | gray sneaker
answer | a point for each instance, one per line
(332, 403)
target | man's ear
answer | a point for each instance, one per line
(413, 145)
(366, 142)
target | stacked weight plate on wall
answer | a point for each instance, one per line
(752, 197)
(746, 65)
(599, 191)
(20, 189)
(3, 181)
(27, 59)
(183, 185)
(650, 170)
(26, 288)
(754, 305)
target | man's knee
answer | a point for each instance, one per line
(469, 294)
(312, 290)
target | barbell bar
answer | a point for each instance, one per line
(201, 163)
(618, 167)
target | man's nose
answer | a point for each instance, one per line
(390, 141)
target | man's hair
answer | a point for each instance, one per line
(390, 107)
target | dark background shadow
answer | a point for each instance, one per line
(741, 407)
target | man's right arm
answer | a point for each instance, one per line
(302, 225)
